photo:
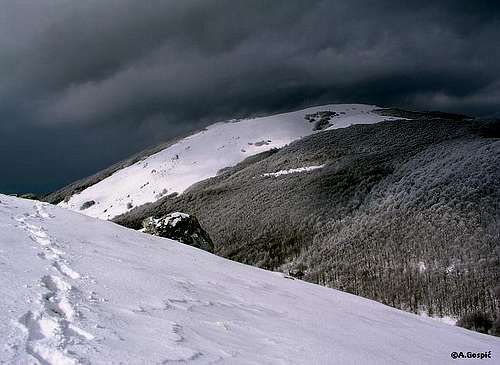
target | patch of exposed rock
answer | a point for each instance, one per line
(180, 227)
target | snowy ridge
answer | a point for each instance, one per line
(203, 154)
(76, 290)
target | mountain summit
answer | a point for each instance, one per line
(182, 163)
(397, 206)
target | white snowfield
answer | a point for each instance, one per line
(203, 154)
(78, 290)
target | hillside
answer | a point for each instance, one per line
(175, 166)
(77, 290)
(406, 213)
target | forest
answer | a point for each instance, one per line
(406, 213)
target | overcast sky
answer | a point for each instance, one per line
(86, 83)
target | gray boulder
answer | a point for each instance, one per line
(180, 227)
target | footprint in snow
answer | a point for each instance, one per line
(51, 328)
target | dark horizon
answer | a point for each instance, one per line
(84, 85)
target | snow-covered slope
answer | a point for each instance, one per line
(80, 290)
(201, 155)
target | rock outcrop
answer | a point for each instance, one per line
(181, 227)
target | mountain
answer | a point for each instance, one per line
(175, 166)
(78, 290)
(406, 213)
(398, 206)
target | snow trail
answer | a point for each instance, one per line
(50, 328)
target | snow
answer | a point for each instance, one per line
(292, 171)
(203, 154)
(173, 218)
(170, 220)
(445, 319)
(421, 267)
(78, 290)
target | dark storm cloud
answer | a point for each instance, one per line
(77, 77)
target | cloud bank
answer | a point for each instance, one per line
(85, 83)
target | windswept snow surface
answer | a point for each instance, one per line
(203, 154)
(77, 290)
